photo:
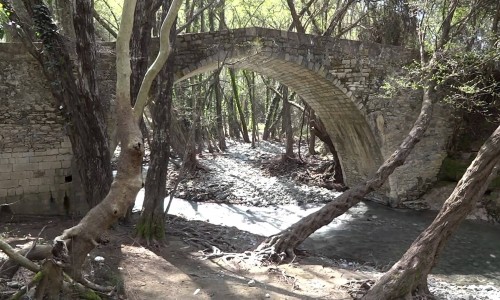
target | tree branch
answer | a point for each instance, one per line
(13, 254)
(161, 58)
(104, 23)
(194, 16)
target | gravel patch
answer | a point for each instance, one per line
(237, 177)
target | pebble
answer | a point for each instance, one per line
(251, 283)
(99, 259)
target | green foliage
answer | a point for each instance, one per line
(470, 81)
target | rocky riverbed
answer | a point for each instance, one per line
(242, 176)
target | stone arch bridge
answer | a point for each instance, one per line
(340, 79)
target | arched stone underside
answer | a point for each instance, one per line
(357, 147)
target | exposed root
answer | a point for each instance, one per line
(96, 287)
(279, 253)
(291, 280)
(358, 288)
(256, 257)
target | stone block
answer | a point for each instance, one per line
(31, 189)
(25, 167)
(5, 155)
(8, 184)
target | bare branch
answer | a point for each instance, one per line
(104, 23)
(13, 254)
(337, 17)
(194, 16)
(161, 58)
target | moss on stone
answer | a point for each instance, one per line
(452, 170)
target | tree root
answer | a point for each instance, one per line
(96, 287)
(278, 253)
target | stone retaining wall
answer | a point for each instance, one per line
(35, 153)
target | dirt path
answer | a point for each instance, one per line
(177, 269)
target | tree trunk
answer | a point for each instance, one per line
(234, 130)
(221, 138)
(270, 117)
(64, 15)
(312, 136)
(409, 274)
(238, 106)
(287, 124)
(251, 95)
(151, 225)
(286, 241)
(318, 129)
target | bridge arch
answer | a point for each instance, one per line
(341, 111)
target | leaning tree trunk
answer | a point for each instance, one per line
(286, 241)
(409, 274)
(151, 225)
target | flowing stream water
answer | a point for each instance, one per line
(367, 233)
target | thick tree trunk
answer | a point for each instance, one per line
(97, 177)
(287, 124)
(409, 274)
(239, 110)
(151, 225)
(286, 241)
